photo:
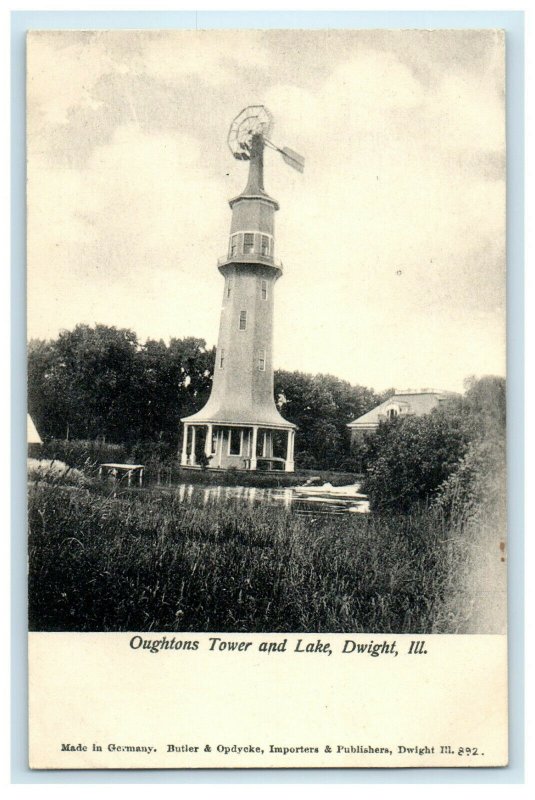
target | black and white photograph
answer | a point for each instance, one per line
(266, 336)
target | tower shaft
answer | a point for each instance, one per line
(242, 392)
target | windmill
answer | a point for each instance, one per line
(252, 121)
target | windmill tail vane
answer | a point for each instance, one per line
(293, 159)
(289, 157)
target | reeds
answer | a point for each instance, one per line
(105, 560)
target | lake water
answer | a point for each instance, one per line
(301, 500)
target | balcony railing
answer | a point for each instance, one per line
(250, 258)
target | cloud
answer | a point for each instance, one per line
(62, 71)
(210, 54)
(77, 64)
(136, 223)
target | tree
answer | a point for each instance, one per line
(321, 406)
(95, 368)
(47, 390)
(478, 484)
(485, 399)
(175, 380)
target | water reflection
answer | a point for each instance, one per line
(300, 500)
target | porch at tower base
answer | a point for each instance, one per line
(262, 467)
(247, 448)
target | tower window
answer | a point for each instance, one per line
(248, 242)
(262, 360)
(234, 442)
(243, 320)
(264, 245)
(229, 287)
(221, 359)
(264, 290)
(233, 244)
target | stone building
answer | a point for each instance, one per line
(240, 426)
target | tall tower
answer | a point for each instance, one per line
(240, 426)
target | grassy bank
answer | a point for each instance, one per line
(258, 479)
(144, 561)
(88, 455)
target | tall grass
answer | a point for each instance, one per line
(145, 561)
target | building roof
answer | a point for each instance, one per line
(32, 434)
(264, 416)
(414, 403)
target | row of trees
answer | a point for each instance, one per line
(101, 382)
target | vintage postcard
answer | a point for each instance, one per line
(266, 398)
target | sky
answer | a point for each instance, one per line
(392, 240)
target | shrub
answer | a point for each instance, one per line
(478, 484)
(413, 457)
(55, 472)
(82, 454)
(453, 457)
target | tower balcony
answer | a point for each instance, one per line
(250, 258)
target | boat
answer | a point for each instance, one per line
(330, 492)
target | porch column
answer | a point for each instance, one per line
(184, 458)
(289, 463)
(208, 442)
(220, 440)
(253, 446)
(192, 454)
